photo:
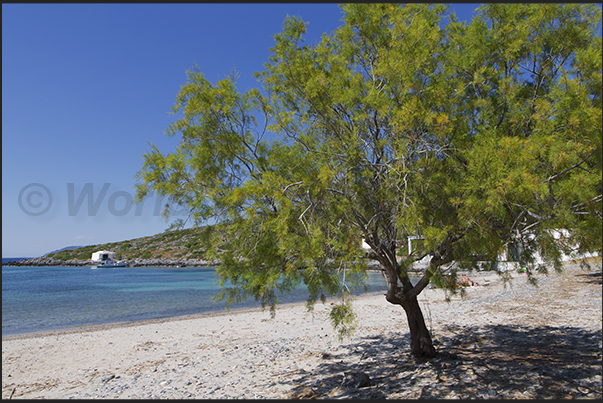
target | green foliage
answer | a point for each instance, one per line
(472, 136)
(343, 319)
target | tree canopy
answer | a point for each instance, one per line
(402, 122)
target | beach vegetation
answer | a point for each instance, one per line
(403, 123)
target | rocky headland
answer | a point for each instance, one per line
(136, 262)
(183, 248)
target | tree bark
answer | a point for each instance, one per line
(421, 344)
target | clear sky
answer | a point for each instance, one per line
(86, 87)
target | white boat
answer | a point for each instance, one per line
(111, 263)
(104, 258)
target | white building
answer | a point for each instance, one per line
(102, 255)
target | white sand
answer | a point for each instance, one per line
(247, 354)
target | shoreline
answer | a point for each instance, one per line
(143, 322)
(519, 341)
(210, 312)
(483, 278)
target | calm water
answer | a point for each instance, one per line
(45, 298)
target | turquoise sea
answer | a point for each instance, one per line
(55, 297)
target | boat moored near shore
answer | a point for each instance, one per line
(105, 259)
(111, 263)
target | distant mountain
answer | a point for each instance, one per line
(65, 248)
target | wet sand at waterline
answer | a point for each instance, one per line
(498, 341)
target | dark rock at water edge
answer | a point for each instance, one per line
(38, 261)
(137, 262)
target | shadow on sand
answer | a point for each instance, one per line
(593, 278)
(472, 362)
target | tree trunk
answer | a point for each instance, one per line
(421, 344)
(420, 339)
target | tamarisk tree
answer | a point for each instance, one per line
(401, 123)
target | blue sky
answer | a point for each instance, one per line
(86, 87)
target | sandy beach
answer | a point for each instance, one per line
(498, 341)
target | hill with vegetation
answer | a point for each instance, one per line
(177, 244)
(183, 247)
